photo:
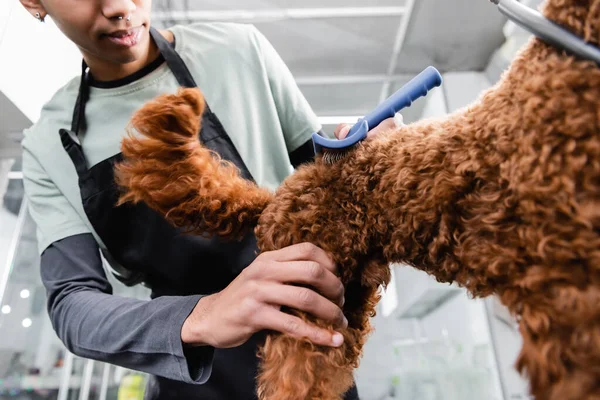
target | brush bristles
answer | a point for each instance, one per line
(332, 156)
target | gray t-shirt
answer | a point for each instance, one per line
(245, 83)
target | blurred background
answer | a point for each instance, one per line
(431, 340)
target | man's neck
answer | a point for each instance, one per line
(109, 71)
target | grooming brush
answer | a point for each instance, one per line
(334, 150)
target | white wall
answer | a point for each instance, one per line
(35, 58)
(8, 223)
(436, 103)
(447, 354)
(506, 334)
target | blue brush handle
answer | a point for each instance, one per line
(418, 87)
(404, 97)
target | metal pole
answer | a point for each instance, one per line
(84, 393)
(495, 345)
(65, 379)
(104, 384)
(12, 250)
(350, 79)
(398, 45)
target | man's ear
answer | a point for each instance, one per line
(34, 7)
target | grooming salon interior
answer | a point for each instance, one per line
(431, 340)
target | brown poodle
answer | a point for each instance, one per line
(502, 197)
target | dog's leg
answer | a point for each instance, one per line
(295, 369)
(466, 205)
(170, 170)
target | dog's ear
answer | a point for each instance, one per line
(571, 14)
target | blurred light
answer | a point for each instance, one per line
(389, 299)
(282, 14)
(24, 293)
(26, 323)
(6, 309)
(15, 175)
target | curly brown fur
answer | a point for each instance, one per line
(167, 169)
(502, 197)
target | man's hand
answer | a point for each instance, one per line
(341, 131)
(252, 302)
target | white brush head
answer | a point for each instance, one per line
(331, 156)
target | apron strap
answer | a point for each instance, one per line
(70, 138)
(83, 95)
(177, 65)
(174, 61)
(71, 145)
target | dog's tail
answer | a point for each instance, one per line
(166, 167)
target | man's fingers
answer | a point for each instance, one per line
(341, 131)
(302, 252)
(304, 299)
(399, 120)
(387, 125)
(285, 323)
(308, 273)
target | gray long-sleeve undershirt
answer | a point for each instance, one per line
(135, 334)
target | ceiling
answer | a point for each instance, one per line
(346, 56)
(12, 123)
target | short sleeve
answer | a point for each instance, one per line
(298, 120)
(54, 216)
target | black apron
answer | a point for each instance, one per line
(144, 248)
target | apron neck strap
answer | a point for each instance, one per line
(78, 119)
(174, 61)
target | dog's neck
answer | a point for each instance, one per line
(433, 176)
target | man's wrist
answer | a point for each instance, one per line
(194, 331)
